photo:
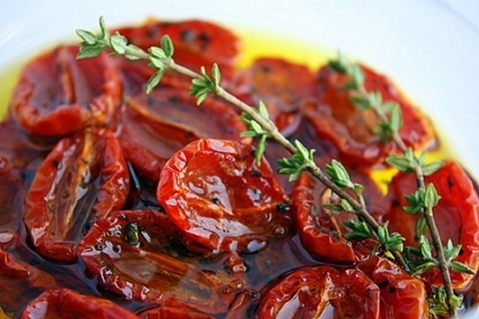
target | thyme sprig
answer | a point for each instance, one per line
(425, 198)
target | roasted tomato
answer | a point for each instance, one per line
(161, 123)
(65, 303)
(173, 309)
(58, 94)
(402, 295)
(337, 119)
(83, 178)
(128, 254)
(283, 86)
(321, 230)
(197, 43)
(456, 215)
(220, 199)
(321, 292)
(18, 280)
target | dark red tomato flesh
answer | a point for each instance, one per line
(220, 199)
(321, 292)
(127, 252)
(402, 295)
(283, 86)
(320, 230)
(161, 123)
(67, 304)
(83, 178)
(18, 279)
(456, 215)
(58, 94)
(337, 119)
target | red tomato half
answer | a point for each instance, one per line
(320, 230)
(337, 119)
(161, 123)
(130, 254)
(83, 178)
(321, 292)
(197, 43)
(283, 86)
(402, 295)
(65, 304)
(173, 309)
(218, 197)
(456, 215)
(58, 94)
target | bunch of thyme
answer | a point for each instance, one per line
(335, 176)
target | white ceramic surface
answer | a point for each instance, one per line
(429, 48)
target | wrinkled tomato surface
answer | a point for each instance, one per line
(115, 203)
(58, 94)
(65, 303)
(83, 178)
(221, 199)
(456, 215)
(351, 129)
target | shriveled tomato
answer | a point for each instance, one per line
(128, 253)
(83, 178)
(337, 119)
(18, 280)
(161, 123)
(220, 199)
(321, 292)
(197, 43)
(320, 230)
(456, 215)
(402, 295)
(58, 94)
(282, 85)
(65, 303)
(173, 309)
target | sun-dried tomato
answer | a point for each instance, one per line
(220, 199)
(83, 178)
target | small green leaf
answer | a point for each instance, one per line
(426, 249)
(401, 162)
(360, 229)
(461, 268)
(167, 46)
(425, 267)
(263, 110)
(360, 102)
(118, 43)
(153, 81)
(133, 52)
(421, 227)
(216, 75)
(87, 36)
(104, 30)
(260, 149)
(432, 167)
(346, 206)
(339, 174)
(431, 198)
(90, 52)
(396, 118)
(158, 53)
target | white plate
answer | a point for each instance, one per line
(424, 46)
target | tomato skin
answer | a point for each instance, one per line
(83, 178)
(218, 197)
(197, 44)
(402, 295)
(309, 292)
(173, 309)
(456, 215)
(17, 279)
(337, 119)
(320, 230)
(65, 303)
(144, 269)
(58, 94)
(156, 125)
(269, 80)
